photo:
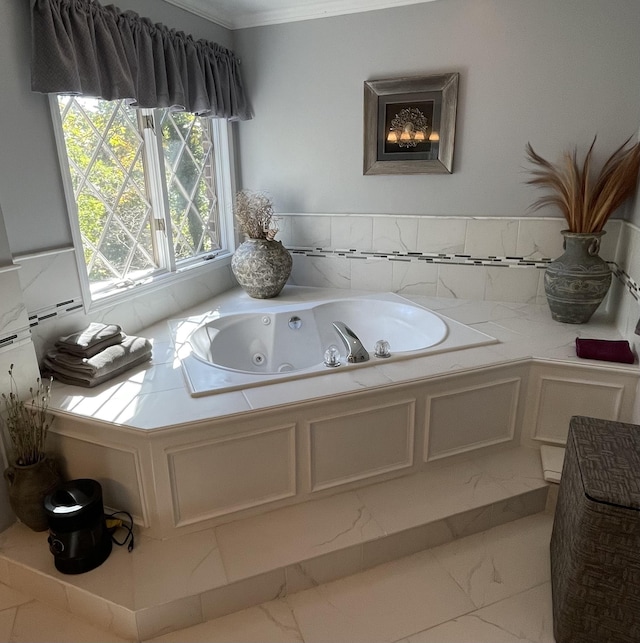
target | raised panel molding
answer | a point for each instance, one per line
(243, 471)
(481, 414)
(116, 467)
(557, 399)
(373, 440)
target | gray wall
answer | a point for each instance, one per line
(551, 72)
(31, 194)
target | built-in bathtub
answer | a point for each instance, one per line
(275, 341)
(180, 462)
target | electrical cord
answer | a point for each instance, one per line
(113, 524)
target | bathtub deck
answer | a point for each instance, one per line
(167, 585)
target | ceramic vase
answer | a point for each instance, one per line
(28, 485)
(577, 281)
(261, 267)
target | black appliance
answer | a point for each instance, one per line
(78, 535)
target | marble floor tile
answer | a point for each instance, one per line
(7, 619)
(523, 618)
(381, 604)
(165, 572)
(528, 614)
(11, 598)
(243, 594)
(503, 561)
(517, 470)
(38, 623)
(430, 495)
(323, 569)
(294, 533)
(270, 622)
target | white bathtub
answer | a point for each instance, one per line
(277, 339)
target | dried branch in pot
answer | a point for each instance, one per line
(254, 214)
(586, 198)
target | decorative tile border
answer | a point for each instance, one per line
(457, 260)
(55, 311)
(628, 282)
(14, 339)
(545, 228)
(427, 257)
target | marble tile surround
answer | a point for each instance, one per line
(477, 258)
(52, 295)
(16, 346)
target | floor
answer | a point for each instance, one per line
(493, 587)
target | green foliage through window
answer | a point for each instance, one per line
(113, 172)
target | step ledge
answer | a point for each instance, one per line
(517, 489)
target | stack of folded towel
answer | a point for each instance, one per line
(95, 355)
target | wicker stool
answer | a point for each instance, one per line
(595, 544)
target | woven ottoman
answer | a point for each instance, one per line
(595, 544)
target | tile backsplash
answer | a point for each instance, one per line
(486, 258)
(482, 258)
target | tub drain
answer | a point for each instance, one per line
(258, 359)
(285, 368)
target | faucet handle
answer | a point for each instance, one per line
(382, 348)
(332, 357)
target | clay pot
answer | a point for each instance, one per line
(261, 267)
(28, 486)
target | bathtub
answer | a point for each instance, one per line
(279, 339)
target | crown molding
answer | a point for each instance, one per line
(204, 9)
(310, 11)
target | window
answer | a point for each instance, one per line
(147, 189)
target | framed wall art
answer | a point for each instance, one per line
(409, 124)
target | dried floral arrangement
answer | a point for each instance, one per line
(254, 214)
(586, 198)
(27, 422)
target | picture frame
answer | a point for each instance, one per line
(409, 124)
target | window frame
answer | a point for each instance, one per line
(172, 271)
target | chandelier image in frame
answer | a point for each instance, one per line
(409, 124)
(409, 128)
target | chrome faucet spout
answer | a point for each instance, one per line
(355, 350)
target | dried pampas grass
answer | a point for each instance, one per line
(586, 201)
(254, 214)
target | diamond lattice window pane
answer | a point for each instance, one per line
(105, 148)
(191, 190)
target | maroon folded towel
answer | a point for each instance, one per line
(607, 350)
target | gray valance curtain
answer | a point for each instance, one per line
(82, 47)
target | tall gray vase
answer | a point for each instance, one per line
(261, 267)
(577, 281)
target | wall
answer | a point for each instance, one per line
(553, 73)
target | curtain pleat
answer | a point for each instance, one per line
(81, 47)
